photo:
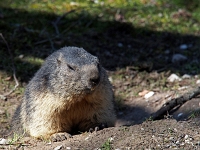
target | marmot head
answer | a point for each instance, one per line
(73, 72)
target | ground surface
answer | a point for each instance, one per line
(136, 42)
(163, 134)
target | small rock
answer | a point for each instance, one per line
(177, 58)
(111, 139)
(186, 76)
(1, 113)
(180, 114)
(96, 1)
(171, 138)
(58, 147)
(49, 143)
(187, 141)
(198, 82)
(167, 51)
(68, 147)
(21, 56)
(87, 138)
(160, 14)
(186, 136)
(110, 79)
(183, 47)
(183, 87)
(191, 139)
(173, 77)
(120, 45)
(143, 93)
(148, 95)
(74, 3)
(3, 141)
(3, 97)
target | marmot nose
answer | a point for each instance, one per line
(95, 81)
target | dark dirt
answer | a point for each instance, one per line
(162, 134)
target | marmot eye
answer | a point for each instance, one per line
(71, 68)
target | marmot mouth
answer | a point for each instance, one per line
(89, 90)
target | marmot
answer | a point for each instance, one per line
(71, 91)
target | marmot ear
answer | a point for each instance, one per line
(59, 59)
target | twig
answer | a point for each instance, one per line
(13, 69)
(52, 45)
(44, 41)
(55, 23)
(56, 36)
(175, 102)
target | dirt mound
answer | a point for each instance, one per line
(162, 134)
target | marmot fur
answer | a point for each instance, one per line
(70, 92)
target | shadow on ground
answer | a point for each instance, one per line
(117, 44)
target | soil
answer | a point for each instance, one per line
(134, 127)
(162, 134)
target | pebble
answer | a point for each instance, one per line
(187, 141)
(49, 143)
(111, 139)
(2, 112)
(180, 114)
(110, 79)
(198, 82)
(120, 45)
(167, 52)
(96, 1)
(186, 76)
(21, 56)
(173, 77)
(148, 95)
(143, 93)
(177, 58)
(171, 138)
(186, 136)
(183, 87)
(87, 138)
(183, 47)
(3, 97)
(3, 141)
(58, 147)
(74, 3)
